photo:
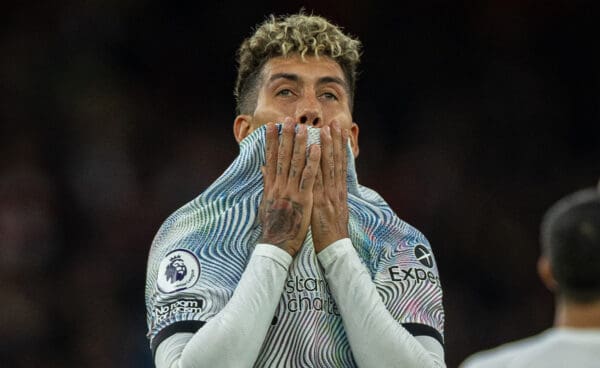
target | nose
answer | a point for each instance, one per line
(309, 112)
(310, 118)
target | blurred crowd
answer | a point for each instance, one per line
(115, 113)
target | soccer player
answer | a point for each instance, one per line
(285, 260)
(570, 267)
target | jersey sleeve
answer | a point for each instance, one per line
(408, 282)
(188, 281)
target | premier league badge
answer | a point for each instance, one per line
(179, 270)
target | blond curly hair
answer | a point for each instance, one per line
(304, 35)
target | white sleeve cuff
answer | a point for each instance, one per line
(334, 250)
(277, 254)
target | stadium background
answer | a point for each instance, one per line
(474, 119)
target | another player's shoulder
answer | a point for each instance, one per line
(502, 355)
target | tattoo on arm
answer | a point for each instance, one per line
(302, 186)
(281, 220)
(323, 225)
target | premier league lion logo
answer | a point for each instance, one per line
(179, 270)
(176, 270)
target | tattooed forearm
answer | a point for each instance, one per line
(281, 220)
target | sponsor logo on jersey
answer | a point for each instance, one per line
(413, 274)
(423, 255)
(309, 294)
(179, 270)
(177, 307)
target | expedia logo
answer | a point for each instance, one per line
(423, 255)
(415, 275)
(179, 270)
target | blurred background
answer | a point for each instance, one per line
(474, 119)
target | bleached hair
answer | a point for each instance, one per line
(304, 35)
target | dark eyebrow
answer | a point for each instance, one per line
(288, 76)
(322, 80)
(336, 80)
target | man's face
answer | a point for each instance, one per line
(310, 91)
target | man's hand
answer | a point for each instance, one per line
(289, 178)
(329, 221)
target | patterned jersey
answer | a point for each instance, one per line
(200, 252)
